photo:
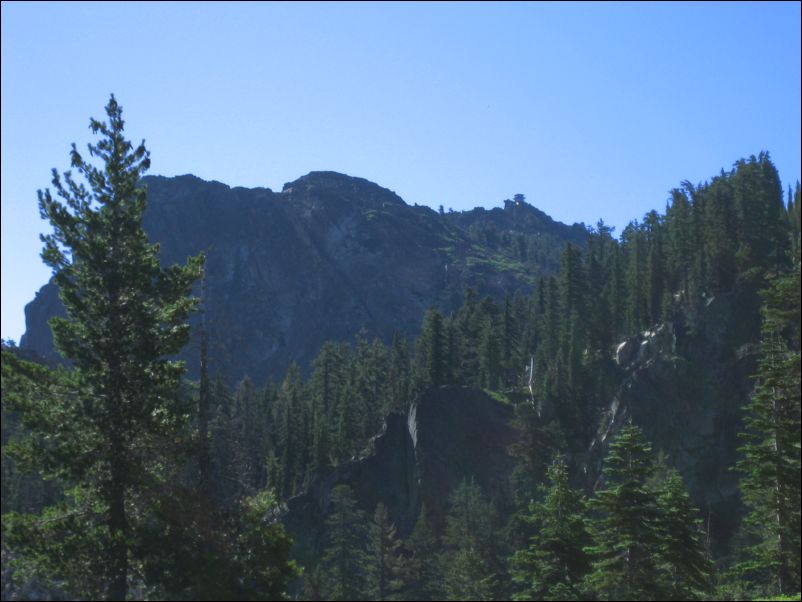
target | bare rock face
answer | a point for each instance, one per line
(328, 255)
(625, 352)
(649, 345)
(450, 434)
(685, 384)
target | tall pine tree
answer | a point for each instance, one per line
(771, 452)
(625, 538)
(554, 563)
(344, 564)
(126, 316)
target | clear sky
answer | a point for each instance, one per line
(591, 110)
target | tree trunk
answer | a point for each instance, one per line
(118, 525)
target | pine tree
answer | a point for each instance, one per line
(471, 562)
(204, 406)
(399, 375)
(489, 356)
(384, 561)
(554, 563)
(637, 304)
(687, 569)
(344, 561)
(678, 222)
(794, 218)
(719, 244)
(626, 545)
(125, 317)
(248, 434)
(423, 575)
(222, 444)
(263, 568)
(600, 285)
(761, 226)
(655, 262)
(431, 353)
(509, 359)
(292, 436)
(771, 453)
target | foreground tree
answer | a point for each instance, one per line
(384, 559)
(471, 568)
(345, 564)
(554, 564)
(125, 317)
(626, 540)
(648, 543)
(423, 573)
(684, 561)
(771, 452)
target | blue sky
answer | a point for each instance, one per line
(591, 110)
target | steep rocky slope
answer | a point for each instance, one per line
(450, 434)
(685, 383)
(328, 255)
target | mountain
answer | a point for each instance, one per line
(327, 256)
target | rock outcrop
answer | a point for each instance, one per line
(685, 384)
(449, 434)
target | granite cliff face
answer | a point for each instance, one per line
(685, 383)
(328, 255)
(450, 434)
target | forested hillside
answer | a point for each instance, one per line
(559, 415)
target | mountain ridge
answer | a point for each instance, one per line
(327, 256)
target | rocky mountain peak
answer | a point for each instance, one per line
(327, 184)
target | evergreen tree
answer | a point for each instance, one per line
(637, 303)
(626, 544)
(125, 317)
(467, 575)
(554, 563)
(328, 378)
(384, 561)
(431, 352)
(678, 222)
(719, 244)
(510, 361)
(292, 432)
(600, 285)
(549, 328)
(761, 226)
(248, 433)
(771, 452)
(465, 341)
(489, 356)
(794, 213)
(687, 570)
(344, 563)
(656, 271)
(203, 552)
(471, 562)
(222, 444)
(573, 298)
(368, 386)
(263, 569)
(399, 375)
(423, 575)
